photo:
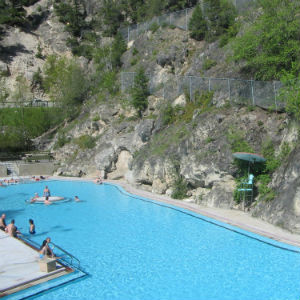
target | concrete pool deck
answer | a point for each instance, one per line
(19, 266)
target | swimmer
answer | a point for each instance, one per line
(31, 227)
(76, 199)
(47, 202)
(32, 200)
(98, 180)
(2, 222)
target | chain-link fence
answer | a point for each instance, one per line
(179, 19)
(39, 103)
(264, 94)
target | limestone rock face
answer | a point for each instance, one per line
(284, 210)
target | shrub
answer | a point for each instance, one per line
(85, 142)
(66, 82)
(39, 52)
(290, 93)
(271, 44)
(197, 24)
(236, 139)
(117, 49)
(135, 51)
(168, 114)
(37, 79)
(61, 141)
(208, 63)
(179, 188)
(154, 27)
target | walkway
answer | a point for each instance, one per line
(19, 266)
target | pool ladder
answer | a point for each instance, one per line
(65, 257)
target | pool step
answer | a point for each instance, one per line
(42, 285)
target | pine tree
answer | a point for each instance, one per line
(197, 24)
(117, 49)
(140, 92)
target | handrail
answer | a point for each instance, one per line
(37, 247)
(67, 253)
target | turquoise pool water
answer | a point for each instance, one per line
(136, 249)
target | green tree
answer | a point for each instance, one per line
(118, 47)
(290, 94)
(72, 15)
(140, 92)
(197, 25)
(271, 45)
(112, 17)
(66, 83)
(220, 15)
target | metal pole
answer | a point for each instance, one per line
(252, 91)
(275, 94)
(122, 88)
(190, 81)
(186, 25)
(228, 83)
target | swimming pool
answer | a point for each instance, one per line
(136, 249)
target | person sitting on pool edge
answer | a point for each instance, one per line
(46, 192)
(31, 227)
(11, 229)
(45, 249)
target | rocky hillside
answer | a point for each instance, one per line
(177, 147)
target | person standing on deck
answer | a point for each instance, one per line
(46, 192)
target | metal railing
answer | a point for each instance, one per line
(264, 94)
(179, 19)
(65, 257)
(13, 104)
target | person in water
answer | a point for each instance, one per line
(76, 199)
(31, 227)
(32, 200)
(2, 222)
(11, 229)
(46, 192)
(45, 249)
(47, 202)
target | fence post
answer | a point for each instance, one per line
(186, 21)
(275, 94)
(252, 91)
(122, 88)
(190, 83)
(228, 84)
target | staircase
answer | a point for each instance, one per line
(12, 169)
